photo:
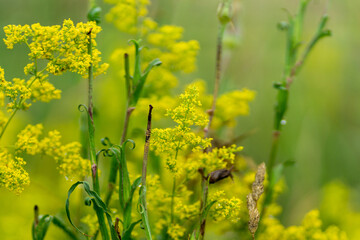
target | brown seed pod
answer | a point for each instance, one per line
(253, 197)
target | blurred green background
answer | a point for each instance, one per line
(323, 122)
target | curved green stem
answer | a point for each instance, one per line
(8, 121)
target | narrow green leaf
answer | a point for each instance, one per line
(204, 216)
(144, 213)
(281, 106)
(99, 207)
(128, 204)
(60, 224)
(128, 82)
(278, 171)
(137, 69)
(94, 14)
(140, 85)
(41, 229)
(127, 233)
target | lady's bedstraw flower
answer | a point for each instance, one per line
(218, 158)
(229, 105)
(159, 204)
(225, 208)
(70, 163)
(44, 92)
(309, 229)
(163, 42)
(12, 174)
(127, 14)
(176, 231)
(169, 141)
(64, 47)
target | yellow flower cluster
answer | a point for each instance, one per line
(68, 158)
(225, 208)
(310, 229)
(186, 212)
(159, 204)
(228, 105)
(231, 105)
(65, 48)
(158, 199)
(163, 42)
(189, 113)
(338, 209)
(169, 141)
(218, 158)
(12, 174)
(44, 92)
(176, 231)
(127, 15)
(91, 222)
(19, 91)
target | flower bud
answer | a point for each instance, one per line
(224, 11)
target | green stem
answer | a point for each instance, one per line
(217, 77)
(271, 163)
(93, 159)
(205, 193)
(20, 102)
(204, 183)
(172, 201)
(8, 121)
(144, 213)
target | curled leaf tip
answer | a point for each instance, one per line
(130, 141)
(82, 108)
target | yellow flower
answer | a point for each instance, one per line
(12, 174)
(225, 208)
(44, 92)
(28, 139)
(310, 229)
(169, 141)
(70, 163)
(91, 222)
(64, 47)
(127, 14)
(176, 231)
(218, 158)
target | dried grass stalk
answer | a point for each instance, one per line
(253, 197)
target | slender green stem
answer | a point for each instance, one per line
(93, 159)
(217, 78)
(293, 64)
(8, 122)
(271, 163)
(172, 206)
(211, 112)
(205, 193)
(21, 101)
(142, 200)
